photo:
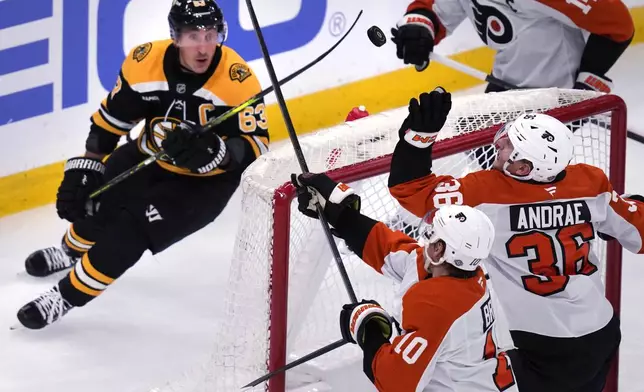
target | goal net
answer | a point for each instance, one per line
(285, 293)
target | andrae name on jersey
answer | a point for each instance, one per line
(548, 215)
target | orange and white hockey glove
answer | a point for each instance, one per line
(590, 81)
(354, 319)
(414, 36)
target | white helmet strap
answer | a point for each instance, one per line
(507, 164)
(428, 260)
(514, 155)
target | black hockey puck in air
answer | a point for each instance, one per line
(376, 36)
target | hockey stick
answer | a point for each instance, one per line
(302, 161)
(317, 353)
(466, 69)
(306, 358)
(218, 120)
(496, 81)
(296, 144)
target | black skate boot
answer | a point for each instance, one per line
(45, 262)
(44, 310)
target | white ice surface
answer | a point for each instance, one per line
(159, 318)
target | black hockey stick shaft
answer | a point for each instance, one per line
(299, 361)
(218, 120)
(467, 70)
(296, 144)
(635, 136)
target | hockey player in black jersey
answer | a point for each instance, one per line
(173, 86)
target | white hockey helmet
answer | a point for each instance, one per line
(542, 140)
(468, 235)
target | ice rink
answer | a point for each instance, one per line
(159, 319)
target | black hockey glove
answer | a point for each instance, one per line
(354, 319)
(626, 197)
(414, 37)
(199, 152)
(589, 81)
(82, 176)
(333, 196)
(426, 118)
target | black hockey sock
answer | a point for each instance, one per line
(119, 247)
(75, 245)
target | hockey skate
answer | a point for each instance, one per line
(47, 261)
(44, 310)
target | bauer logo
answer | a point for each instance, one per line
(56, 46)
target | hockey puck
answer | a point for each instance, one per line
(376, 36)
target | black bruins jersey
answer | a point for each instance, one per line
(152, 87)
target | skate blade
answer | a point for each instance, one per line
(16, 326)
(55, 276)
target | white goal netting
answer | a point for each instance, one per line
(283, 265)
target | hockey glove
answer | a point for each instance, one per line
(81, 177)
(354, 319)
(333, 196)
(199, 152)
(414, 37)
(626, 197)
(426, 118)
(589, 81)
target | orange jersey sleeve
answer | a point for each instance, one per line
(624, 220)
(440, 31)
(609, 18)
(429, 310)
(392, 253)
(427, 193)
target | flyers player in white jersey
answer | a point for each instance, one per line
(449, 329)
(538, 43)
(546, 213)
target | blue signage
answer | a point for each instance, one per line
(35, 101)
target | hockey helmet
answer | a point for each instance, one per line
(203, 15)
(468, 235)
(542, 140)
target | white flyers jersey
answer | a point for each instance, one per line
(544, 263)
(450, 326)
(538, 43)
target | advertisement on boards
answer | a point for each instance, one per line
(58, 58)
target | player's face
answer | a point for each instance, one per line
(197, 48)
(504, 149)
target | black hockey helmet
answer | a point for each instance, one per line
(197, 14)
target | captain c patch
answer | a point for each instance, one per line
(239, 72)
(141, 51)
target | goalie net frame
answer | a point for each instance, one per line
(262, 327)
(284, 195)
